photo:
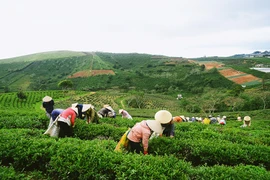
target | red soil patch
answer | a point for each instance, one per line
(210, 65)
(230, 72)
(244, 79)
(241, 77)
(88, 73)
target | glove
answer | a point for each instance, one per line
(145, 152)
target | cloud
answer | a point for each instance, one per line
(187, 28)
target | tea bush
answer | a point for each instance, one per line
(38, 156)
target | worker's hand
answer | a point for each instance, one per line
(145, 152)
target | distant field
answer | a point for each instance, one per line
(238, 76)
(232, 74)
(88, 73)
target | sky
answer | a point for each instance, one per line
(180, 28)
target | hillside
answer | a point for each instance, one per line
(93, 71)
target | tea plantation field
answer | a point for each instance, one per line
(197, 151)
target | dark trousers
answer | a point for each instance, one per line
(65, 130)
(135, 147)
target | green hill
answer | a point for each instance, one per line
(93, 71)
(89, 71)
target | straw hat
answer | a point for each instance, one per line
(120, 111)
(47, 99)
(163, 116)
(86, 107)
(106, 105)
(154, 126)
(247, 118)
(75, 109)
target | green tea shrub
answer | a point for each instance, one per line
(135, 166)
(23, 122)
(24, 148)
(240, 172)
(9, 173)
(202, 151)
(85, 160)
(101, 131)
(33, 155)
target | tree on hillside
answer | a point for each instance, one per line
(234, 103)
(236, 90)
(202, 67)
(265, 79)
(21, 95)
(264, 96)
(210, 99)
(65, 84)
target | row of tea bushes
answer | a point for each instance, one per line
(201, 151)
(23, 119)
(27, 151)
(197, 143)
(197, 151)
(258, 134)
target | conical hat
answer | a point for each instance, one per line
(47, 99)
(163, 116)
(74, 105)
(247, 118)
(86, 107)
(109, 108)
(154, 126)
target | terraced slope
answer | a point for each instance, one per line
(232, 74)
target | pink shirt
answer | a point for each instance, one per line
(125, 114)
(140, 132)
(69, 114)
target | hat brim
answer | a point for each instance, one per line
(74, 105)
(109, 108)
(154, 126)
(163, 116)
(247, 118)
(47, 99)
(86, 107)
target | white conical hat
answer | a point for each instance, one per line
(74, 105)
(47, 99)
(109, 108)
(247, 118)
(154, 126)
(86, 107)
(163, 116)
